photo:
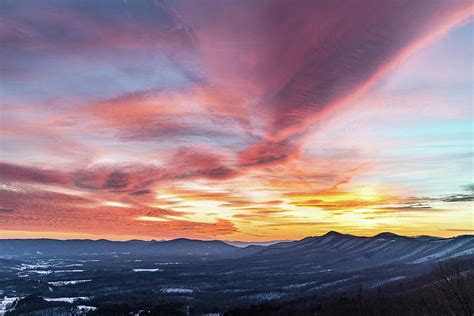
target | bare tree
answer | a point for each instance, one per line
(456, 284)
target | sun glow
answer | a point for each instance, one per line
(367, 194)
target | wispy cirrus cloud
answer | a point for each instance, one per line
(298, 80)
(42, 210)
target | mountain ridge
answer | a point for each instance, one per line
(332, 232)
(332, 247)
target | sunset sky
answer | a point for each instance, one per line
(235, 120)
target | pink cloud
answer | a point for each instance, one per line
(37, 210)
(298, 60)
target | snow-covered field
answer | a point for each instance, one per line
(46, 272)
(42, 272)
(63, 283)
(7, 304)
(177, 290)
(146, 270)
(85, 308)
(263, 296)
(25, 266)
(299, 285)
(66, 299)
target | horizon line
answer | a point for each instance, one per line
(245, 242)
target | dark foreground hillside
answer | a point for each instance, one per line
(448, 290)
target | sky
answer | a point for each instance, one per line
(235, 120)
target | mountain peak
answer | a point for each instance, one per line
(333, 233)
(387, 235)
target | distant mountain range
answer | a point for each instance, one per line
(175, 247)
(332, 249)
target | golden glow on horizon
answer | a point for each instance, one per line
(356, 209)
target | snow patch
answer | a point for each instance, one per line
(42, 272)
(63, 283)
(325, 285)
(177, 290)
(263, 296)
(66, 299)
(441, 253)
(167, 263)
(85, 308)
(463, 253)
(299, 285)
(25, 266)
(146, 270)
(7, 304)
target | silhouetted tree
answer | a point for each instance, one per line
(456, 285)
